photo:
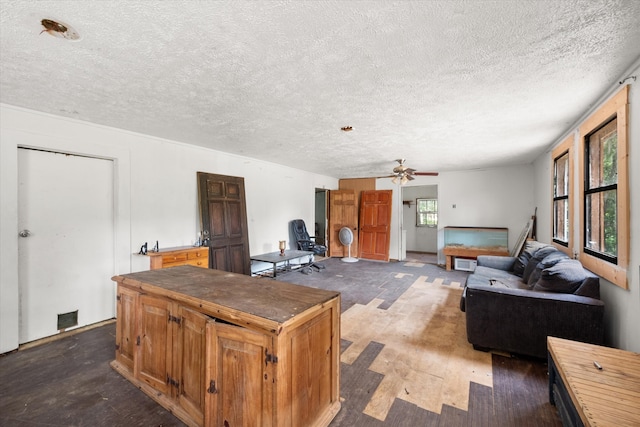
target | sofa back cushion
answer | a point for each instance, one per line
(530, 247)
(550, 260)
(568, 276)
(537, 256)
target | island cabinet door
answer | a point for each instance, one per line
(240, 377)
(155, 350)
(190, 362)
(126, 327)
(313, 364)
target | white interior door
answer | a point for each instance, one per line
(66, 241)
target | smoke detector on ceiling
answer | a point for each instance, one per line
(59, 29)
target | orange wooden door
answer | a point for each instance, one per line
(375, 224)
(343, 212)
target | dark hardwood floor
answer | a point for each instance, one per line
(68, 382)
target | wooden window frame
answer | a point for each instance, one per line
(617, 106)
(565, 146)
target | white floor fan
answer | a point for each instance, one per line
(346, 238)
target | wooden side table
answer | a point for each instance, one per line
(181, 255)
(593, 385)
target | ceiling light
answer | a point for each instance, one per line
(59, 29)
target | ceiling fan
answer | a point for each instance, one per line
(403, 174)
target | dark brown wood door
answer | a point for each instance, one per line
(223, 215)
(375, 224)
(343, 212)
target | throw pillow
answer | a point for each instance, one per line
(564, 277)
(530, 247)
(549, 261)
(538, 256)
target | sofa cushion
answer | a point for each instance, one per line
(495, 277)
(530, 247)
(538, 256)
(565, 276)
(549, 261)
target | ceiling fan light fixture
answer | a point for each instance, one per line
(403, 174)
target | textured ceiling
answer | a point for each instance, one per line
(448, 85)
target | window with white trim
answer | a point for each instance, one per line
(426, 212)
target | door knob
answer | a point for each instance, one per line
(24, 233)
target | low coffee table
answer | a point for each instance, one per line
(275, 258)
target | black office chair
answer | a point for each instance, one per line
(307, 243)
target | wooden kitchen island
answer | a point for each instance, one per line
(218, 348)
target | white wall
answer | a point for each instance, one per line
(622, 307)
(156, 193)
(497, 197)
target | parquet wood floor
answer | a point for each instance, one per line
(405, 362)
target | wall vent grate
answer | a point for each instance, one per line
(67, 320)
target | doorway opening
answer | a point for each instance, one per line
(320, 218)
(420, 236)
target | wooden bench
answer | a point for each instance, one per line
(593, 385)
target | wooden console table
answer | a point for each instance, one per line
(593, 385)
(217, 348)
(180, 255)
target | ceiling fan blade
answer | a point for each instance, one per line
(426, 173)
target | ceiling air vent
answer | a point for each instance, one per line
(59, 29)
